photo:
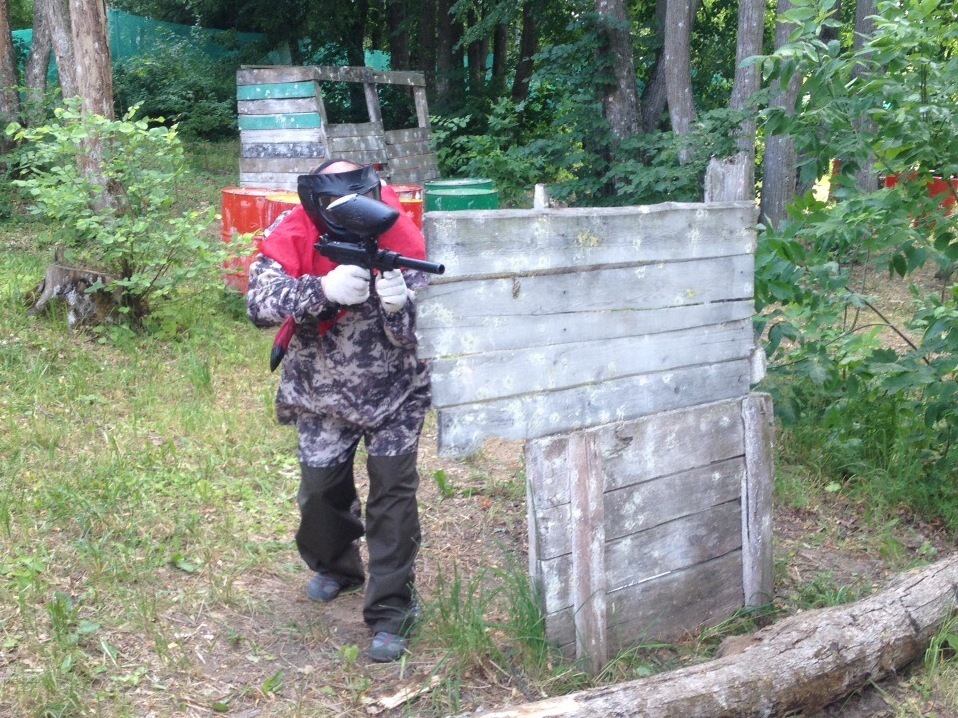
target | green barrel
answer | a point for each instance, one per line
(460, 183)
(452, 200)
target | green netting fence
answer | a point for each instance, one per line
(132, 35)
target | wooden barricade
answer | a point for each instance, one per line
(618, 343)
(285, 131)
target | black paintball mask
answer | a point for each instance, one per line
(318, 191)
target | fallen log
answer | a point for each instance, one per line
(804, 662)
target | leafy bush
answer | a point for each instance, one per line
(877, 391)
(178, 82)
(121, 218)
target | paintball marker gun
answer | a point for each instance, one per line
(367, 218)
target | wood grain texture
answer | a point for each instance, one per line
(757, 488)
(547, 320)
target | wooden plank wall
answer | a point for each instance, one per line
(284, 131)
(618, 343)
(668, 550)
(282, 134)
(547, 321)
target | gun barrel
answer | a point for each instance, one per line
(420, 265)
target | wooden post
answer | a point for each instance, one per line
(757, 487)
(586, 487)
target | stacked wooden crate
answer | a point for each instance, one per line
(282, 134)
(285, 130)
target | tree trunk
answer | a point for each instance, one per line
(802, 663)
(655, 97)
(425, 54)
(94, 84)
(61, 34)
(91, 46)
(748, 79)
(528, 46)
(500, 51)
(476, 55)
(620, 101)
(449, 71)
(398, 35)
(780, 166)
(9, 97)
(751, 15)
(678, 68)
(866, 178)
(38, 63)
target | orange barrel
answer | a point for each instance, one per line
(277, 203)
(243, 212)
(410, 191)
(410, 199)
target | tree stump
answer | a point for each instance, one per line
(801, 663)
(72, 285)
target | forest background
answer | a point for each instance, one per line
(608, 103)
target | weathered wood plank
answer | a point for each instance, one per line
(463, 429)
(588, 547)
(283, 165)
(273, 180)
(664, 608)
(634, 559)
(300, 121)
(415, 175)
(758, 485)
(403, 163)
(596, 287)
(491, 376)
(276, 91)
(444, 334)
(359, 143)
(282, 106)
(357, 129)
(274, 74)
(284, 150)
(329, 73)
(508, 242)
(422, 106)
(372, 102)
(360, 157)
(409, 149)
(644, 449)
(255, 137)
(637, 508)
(409, 134)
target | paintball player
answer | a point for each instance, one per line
(350, 374)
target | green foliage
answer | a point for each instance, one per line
(873, 392)
(120, 216)
(559, 136)
(177, 81)
(647, 167)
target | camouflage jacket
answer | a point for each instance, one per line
(359, 367)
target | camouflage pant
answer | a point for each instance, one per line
(329, 441)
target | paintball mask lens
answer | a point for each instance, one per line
(323, 189)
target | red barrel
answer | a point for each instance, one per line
(277, 203)
(936, 186)
(243, 212)
(410, 199)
